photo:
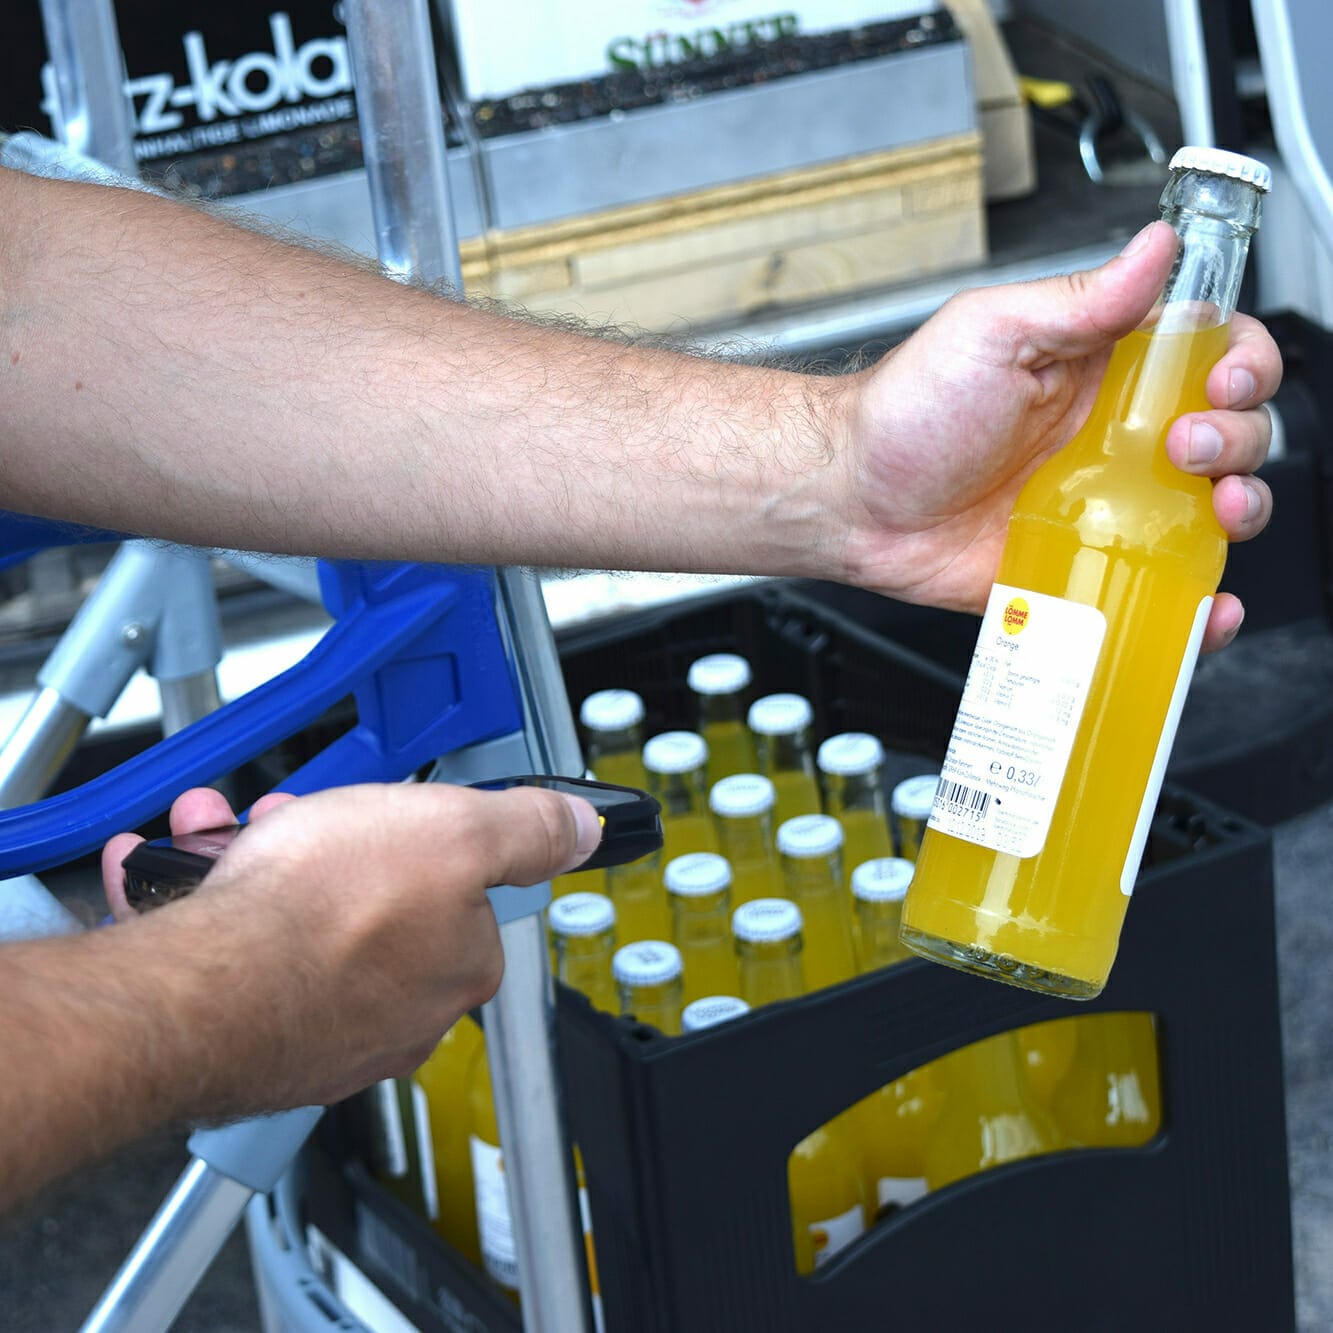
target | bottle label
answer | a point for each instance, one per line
(1129, 872)
(495, 1223)
(894, 1192)
(1021, 708)
(836, 1233)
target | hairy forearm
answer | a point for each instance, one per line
(111, 1034)
(164, 371)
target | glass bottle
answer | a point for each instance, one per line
(767, 933)
(742, 807)
(911, 804)
(781, 725)
(1048, 1051)
(1111, 1095)
(809, 848)
(444, 1080)
(642, 910)
(583, 935)
(719, 683)
(612, 722)
(1089, 639)
(495, 1218)
(851, 769)
(699, 888)
(648, 979)
(675, 763)
(878, 890)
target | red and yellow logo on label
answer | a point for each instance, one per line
(1015, 617)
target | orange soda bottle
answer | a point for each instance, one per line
(742, 807)
(781, 726)
(719, 683)
(851, 771)
(675, 763)
(699, 887)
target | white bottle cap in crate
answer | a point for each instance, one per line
(611, 710)
(675, 752)
(766, 920)
(646, 963)
(780, 714)
(696, 874)
(718, 673)
(710, 1011)
(742, 795)
(851, 754)
(809, 835)
(913, 797)
(581, 914)
(883, 880)
(1220, 162)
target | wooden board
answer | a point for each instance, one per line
(715, 255)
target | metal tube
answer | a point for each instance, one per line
(402, 131)
(519, 1023)
(172, 1254)
(402, 139)
(95, 115)
(36, 750)
(187, 699)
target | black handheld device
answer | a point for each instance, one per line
(159, 872)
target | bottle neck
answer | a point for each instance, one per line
(680, 793)
(584, 963)
(878, 924)
(785, 754)
(861, 791)
(701, 916)
(770, 970)
(744, 839)
(809, 876)
(1214, 217)
(717, 708)
(658, 1004)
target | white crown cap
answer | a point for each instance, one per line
(883, 880)
(1220, 162)
(742, 795)
(646, 963)
(581, 914)
(780, 714)
(913, 797)
(611, 710)
(809, 835)
(851, 754)
(766, 920)
(710, 1011)
(696, 874)
(718, 673)
(675, 752)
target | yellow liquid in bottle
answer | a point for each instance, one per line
(990, 1116)
(730, 749)
(865, 838)
(1048, 1051)
(826, 911)
(1111, 1096)
(682, 834)
(444, 1080)
(642, 910)
(701, 931)
(1111, 523)
(798, 794)
(495, 1225)
(892, 1127)
(827, 1204)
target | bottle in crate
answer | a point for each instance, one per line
(781, 726)
(878, 890)
(809, 846)
(1048, 1051)
(444, 1080)
(612, 723)
(742, 807)
(1089, 639)
(1111, 1095)
(649, 981)
(583, 931)
(699, 887)
(990, 1114)
(828, 1205)
(911, 804)
(710, 1010)
(851, 769)
(642, 910)
(719, 683)
(675, 763)
(767, 932)
(495, 1220)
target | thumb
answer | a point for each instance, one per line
(529, 834)
(1075, 314)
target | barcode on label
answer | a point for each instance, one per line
(955, 794)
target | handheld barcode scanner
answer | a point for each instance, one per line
(159, 872)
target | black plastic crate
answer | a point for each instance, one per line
(685, 1140)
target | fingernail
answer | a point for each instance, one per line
(1253, 502)
(589, 826)
(1235, 629)
(1240, 387)
(1138, 242)
(1205, 443)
